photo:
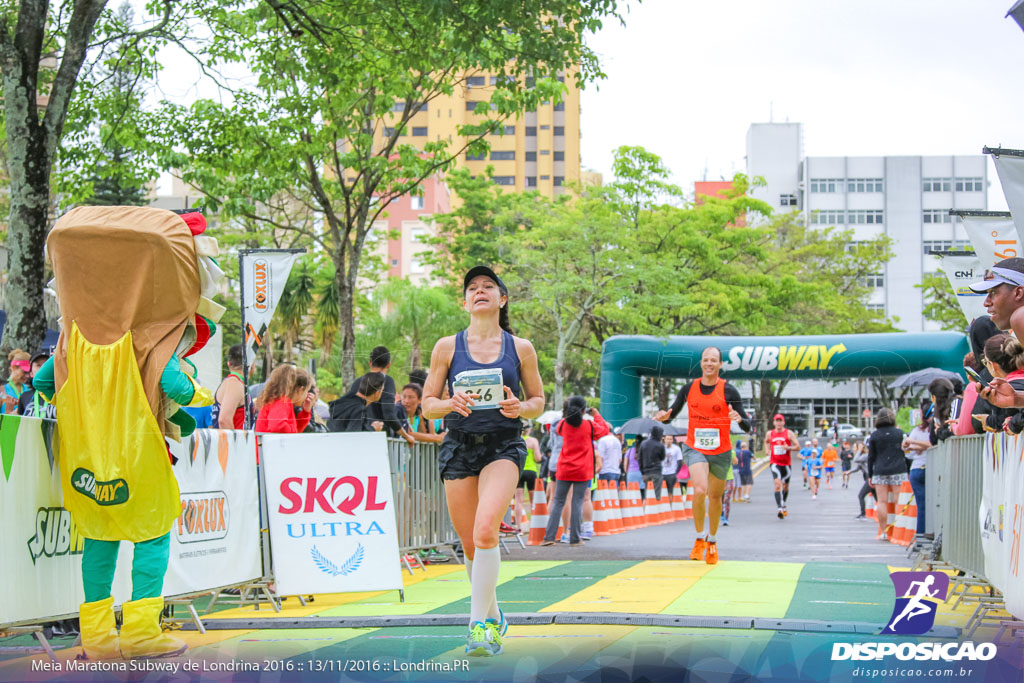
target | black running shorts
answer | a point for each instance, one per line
(780, 472)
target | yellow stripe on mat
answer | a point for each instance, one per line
(646, 587)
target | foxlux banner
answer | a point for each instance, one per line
(962, 271)
(264, 275)
(332, 513)
(1001, 517)
(215, 541)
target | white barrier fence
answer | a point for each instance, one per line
(1001, 517)
(216, 540)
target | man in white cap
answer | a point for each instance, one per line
(1004, 285)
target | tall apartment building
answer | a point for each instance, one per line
(905, 197)
(540, 150)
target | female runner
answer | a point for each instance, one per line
(483, 453)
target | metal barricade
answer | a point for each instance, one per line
(956, 468)
(420, 507)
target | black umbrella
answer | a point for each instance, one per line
(922, 378)
(642, 425)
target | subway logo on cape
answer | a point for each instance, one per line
(769, 358)
(112, 492)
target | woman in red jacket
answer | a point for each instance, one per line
(575, 466)
(286, 390)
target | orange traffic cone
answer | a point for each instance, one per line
(636, 505)
(539, 516)
(665, 506)
(872, 508)
(677, 505)
(601, 512)
(650, 506)
(616, 511)
(902, 528)
(688, 505)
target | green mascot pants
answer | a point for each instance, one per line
(99, 559)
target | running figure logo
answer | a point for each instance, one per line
(918, 595)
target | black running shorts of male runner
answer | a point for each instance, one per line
(781, 472)
(466, 455)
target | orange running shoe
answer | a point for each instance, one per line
(698, 549)
(712, 555)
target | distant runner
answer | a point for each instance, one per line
(714, 405)
(781, 444)
(829, 458)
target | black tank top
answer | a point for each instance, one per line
(481, 421)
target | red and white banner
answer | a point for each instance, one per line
(332, 513)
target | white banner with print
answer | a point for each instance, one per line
(1001, 517)
(214, 543)
(961, 271)
(264, 275)
(332, 513)
(993, 237)
(1011, 176)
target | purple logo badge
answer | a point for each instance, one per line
(917, 598)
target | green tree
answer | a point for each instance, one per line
(410, 319)
(321, 134)
(563, 265)
(114, 174)
(52, 60)
(940, 304)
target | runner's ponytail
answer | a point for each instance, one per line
(503, 317)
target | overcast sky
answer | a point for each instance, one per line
(872, 77)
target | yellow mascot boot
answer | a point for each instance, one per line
(99, 632)
(141, 634)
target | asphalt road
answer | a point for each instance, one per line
(816, 530)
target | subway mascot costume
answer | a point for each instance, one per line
(134, 287)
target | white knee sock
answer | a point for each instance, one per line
(483, 595)
(469, 568)
(492, 611)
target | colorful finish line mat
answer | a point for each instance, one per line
(755, 621)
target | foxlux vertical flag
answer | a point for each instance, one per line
(264, 275)
(961, 271)
(994, 237)
(1011, 175)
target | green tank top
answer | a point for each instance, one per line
(531, 464)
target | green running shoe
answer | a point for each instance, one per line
(483, 641)
(501, 623)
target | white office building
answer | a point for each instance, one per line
(907, 198)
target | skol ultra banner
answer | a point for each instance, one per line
(961, 271)
(215, 541)
(264, 274)
(332, 513)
